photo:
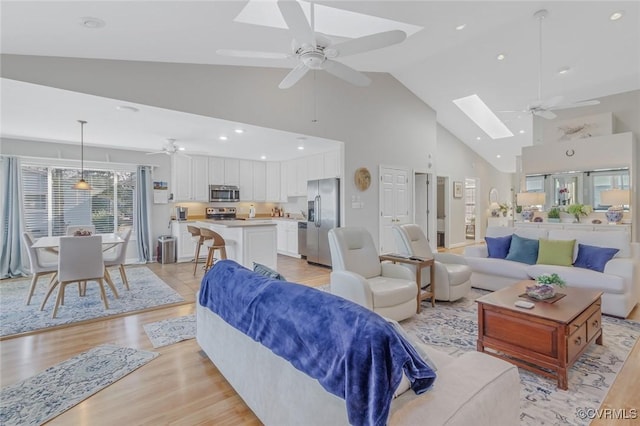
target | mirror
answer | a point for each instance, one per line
(563, 189)
(493, 196)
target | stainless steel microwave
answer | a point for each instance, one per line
(227, 193)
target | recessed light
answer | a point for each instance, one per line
(263, 157)
(300, 147)
(564, 70)
(127, 108)
(500, 57)
(181, 148)
(239, 131)
(223, 138)
(461, 27)
(498, 156)
(478, 138)
(521, 132)
(616, 15)
(92, 23)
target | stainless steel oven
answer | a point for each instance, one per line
(224, 193)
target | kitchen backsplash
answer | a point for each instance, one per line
(295, 207)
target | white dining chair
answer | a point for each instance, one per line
(38, 267)
(119, 257)
(79, 260)
(72, 229)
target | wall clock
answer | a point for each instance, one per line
(362, 178)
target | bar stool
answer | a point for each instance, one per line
(196, 235)
(214, 241)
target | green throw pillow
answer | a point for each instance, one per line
(556, 252)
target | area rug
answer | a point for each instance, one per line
(58, 388)
(452, 327)
(147, 291)
(170, 331)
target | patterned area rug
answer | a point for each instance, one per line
(147, 291)
(58, 388)
(452, 327)
(170, 331)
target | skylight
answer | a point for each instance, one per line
(480, 114)
(328, 20)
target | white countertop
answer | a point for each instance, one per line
(239, 223)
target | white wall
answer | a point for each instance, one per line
(380, 124)
(457, 161)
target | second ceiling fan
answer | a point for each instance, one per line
(315, 51)
(544, 107)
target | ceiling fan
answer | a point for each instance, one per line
(544, 108)
(315, 51)
(170, 148)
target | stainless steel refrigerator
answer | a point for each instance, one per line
(323, 200)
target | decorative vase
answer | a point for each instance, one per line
(541, 291)
(614, 216)
(527, 215)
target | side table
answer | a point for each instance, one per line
(419, 263)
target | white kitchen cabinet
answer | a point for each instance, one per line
(246, 180)
(301, 176)
(284, 183)
(287, 236)
(273, 182)
(259, 181)
(216, 171)
(292, 175)
(189, 177)
(185, 244)
(315, 167)
(331, 163)
(200, 178)
(232, 172)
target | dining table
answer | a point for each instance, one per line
(109, 240)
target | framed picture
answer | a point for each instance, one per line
(457, 189)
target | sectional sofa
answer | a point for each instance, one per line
(474, 388)
(619, 280)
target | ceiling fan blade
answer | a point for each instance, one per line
(370, 42)
(252, 54)
(576, 105)
(294, 76)
(545, 114)
(551, 102)
(297, 22)
(346, 73)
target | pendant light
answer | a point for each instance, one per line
(82, 184)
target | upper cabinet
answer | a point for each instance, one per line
(190, 178)
(232, 172)
(331, 162)
(259, 181)
(246, 180)
(273, 182)
(216, 171)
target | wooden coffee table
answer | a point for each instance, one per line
(546, 339)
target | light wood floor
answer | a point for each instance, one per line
(181, 386)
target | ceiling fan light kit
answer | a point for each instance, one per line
(315, 51)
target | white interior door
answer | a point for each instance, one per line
(394, 204)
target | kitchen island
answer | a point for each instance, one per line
(247, 241)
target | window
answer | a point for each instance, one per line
(606, 180)
(51, 204)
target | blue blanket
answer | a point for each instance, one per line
(354, 353)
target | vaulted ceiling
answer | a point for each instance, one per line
(439, 61)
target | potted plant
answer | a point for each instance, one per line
(554, 215)
(578, 210)
(504, 209)
(545, 287)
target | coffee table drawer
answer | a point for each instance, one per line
(594, 323)
(576, 341)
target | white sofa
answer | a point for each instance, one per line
(474, 388)
(619, 282)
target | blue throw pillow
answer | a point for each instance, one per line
(266, 271)
(498, 247)
(593, 257)
(524, 250)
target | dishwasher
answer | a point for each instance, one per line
(302, 239)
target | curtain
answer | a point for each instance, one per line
(11, 259)
(143, 213)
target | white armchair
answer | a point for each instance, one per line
(452, 274)
(358, 275)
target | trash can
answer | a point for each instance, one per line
(166, 249)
